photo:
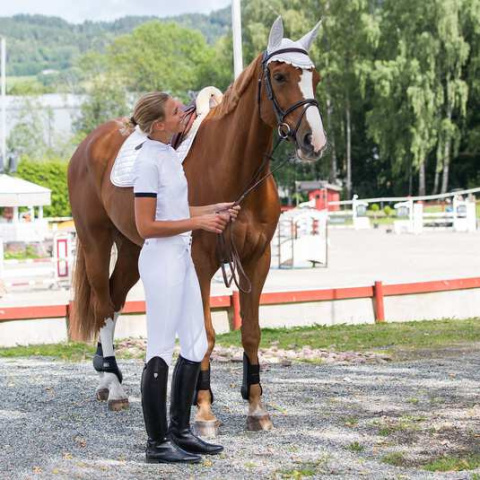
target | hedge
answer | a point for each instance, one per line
(51, 174)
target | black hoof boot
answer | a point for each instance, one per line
(184, 382)
(251, 376)
(106, 364)
(160, 449)
(203, 383)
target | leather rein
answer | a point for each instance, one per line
(228, 254)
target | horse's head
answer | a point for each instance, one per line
(289, 80)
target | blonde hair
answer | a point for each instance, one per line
(148, 109)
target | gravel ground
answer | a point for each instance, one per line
(330, 420)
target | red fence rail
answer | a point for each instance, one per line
(231, 302)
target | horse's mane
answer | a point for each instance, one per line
(236, 90)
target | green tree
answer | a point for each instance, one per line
(402, 116)
(419, 94)
(158, 56)
(51, 174)
(106, 97)
(27, 136)
(452, 88)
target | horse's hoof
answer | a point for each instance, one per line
(207, 429)
(254, 424)
(102, 394)
(118, 405)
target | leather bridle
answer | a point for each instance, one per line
(284, 129)
(229, 255)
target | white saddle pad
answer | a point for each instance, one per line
(122, 171)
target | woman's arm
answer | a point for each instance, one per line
(148, 227)
(205, 210)
(225, 208)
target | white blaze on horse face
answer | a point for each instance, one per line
(313, 115)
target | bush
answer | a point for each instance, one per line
(51, 174)
(388, 211)
(374, 207)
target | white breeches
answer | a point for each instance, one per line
(173, 299)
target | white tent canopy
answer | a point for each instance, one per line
(15, 192)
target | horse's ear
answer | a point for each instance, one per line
(276, 35)
(307, 40)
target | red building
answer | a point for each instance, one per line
(322, 192)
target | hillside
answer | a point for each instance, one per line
(37, 42)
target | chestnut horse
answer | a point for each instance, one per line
(272, 92)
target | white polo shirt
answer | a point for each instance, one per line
(158, 173)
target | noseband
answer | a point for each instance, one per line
(284, 129)
(228, 254)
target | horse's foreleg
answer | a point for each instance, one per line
(258, 418)
(206, 424)
(97, 259)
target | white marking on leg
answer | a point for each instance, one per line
(313, 115)
(115, 389)
(101, 392)
(101, 382)
(106, 337)
(115, 318)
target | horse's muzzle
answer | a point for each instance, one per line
(306, 151)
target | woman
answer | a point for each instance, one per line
(172, 292)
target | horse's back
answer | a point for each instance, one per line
(97, 152)
(89, 172)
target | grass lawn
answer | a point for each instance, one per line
(397, 339)
(383, 336)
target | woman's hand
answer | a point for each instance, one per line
(228, 208)
(212, 222)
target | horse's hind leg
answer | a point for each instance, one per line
(124, 276)
(258, 418)
(105, 363)
(97, 248)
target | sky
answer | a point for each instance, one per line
(77, 11)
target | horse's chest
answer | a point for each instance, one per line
(254, 236)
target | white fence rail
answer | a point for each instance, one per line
(411, 214)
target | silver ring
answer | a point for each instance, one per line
(284, 130)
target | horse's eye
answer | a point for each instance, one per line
(279, 77)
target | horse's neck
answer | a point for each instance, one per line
(251, 136)
(238, 140)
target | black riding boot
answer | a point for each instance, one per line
(160, 449)
(184, 381)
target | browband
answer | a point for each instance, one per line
(268, 56)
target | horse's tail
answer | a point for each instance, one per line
(82, 320)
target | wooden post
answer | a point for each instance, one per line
(237, 317)
(378, 301)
